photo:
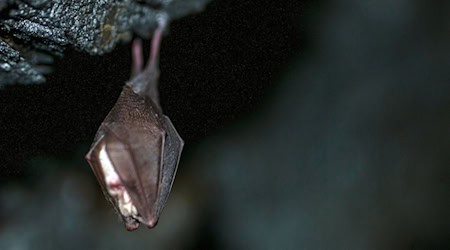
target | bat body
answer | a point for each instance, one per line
(136, 150)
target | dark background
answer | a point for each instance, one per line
(216, 66)
(308, 125)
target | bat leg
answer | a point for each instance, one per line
(146, 81)
(173, 145)
(137, 58)
(151, 71)
(153, 60)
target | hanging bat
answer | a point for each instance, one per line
(136, 150)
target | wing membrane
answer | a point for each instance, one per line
(172, 151)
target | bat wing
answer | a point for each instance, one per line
(136, 155)
(173, 146)
(93, 161)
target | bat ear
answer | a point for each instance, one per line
(132, 154)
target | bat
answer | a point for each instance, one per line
(136, 149)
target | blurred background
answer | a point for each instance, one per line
(308, 125)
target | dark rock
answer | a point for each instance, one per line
(95, 27)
